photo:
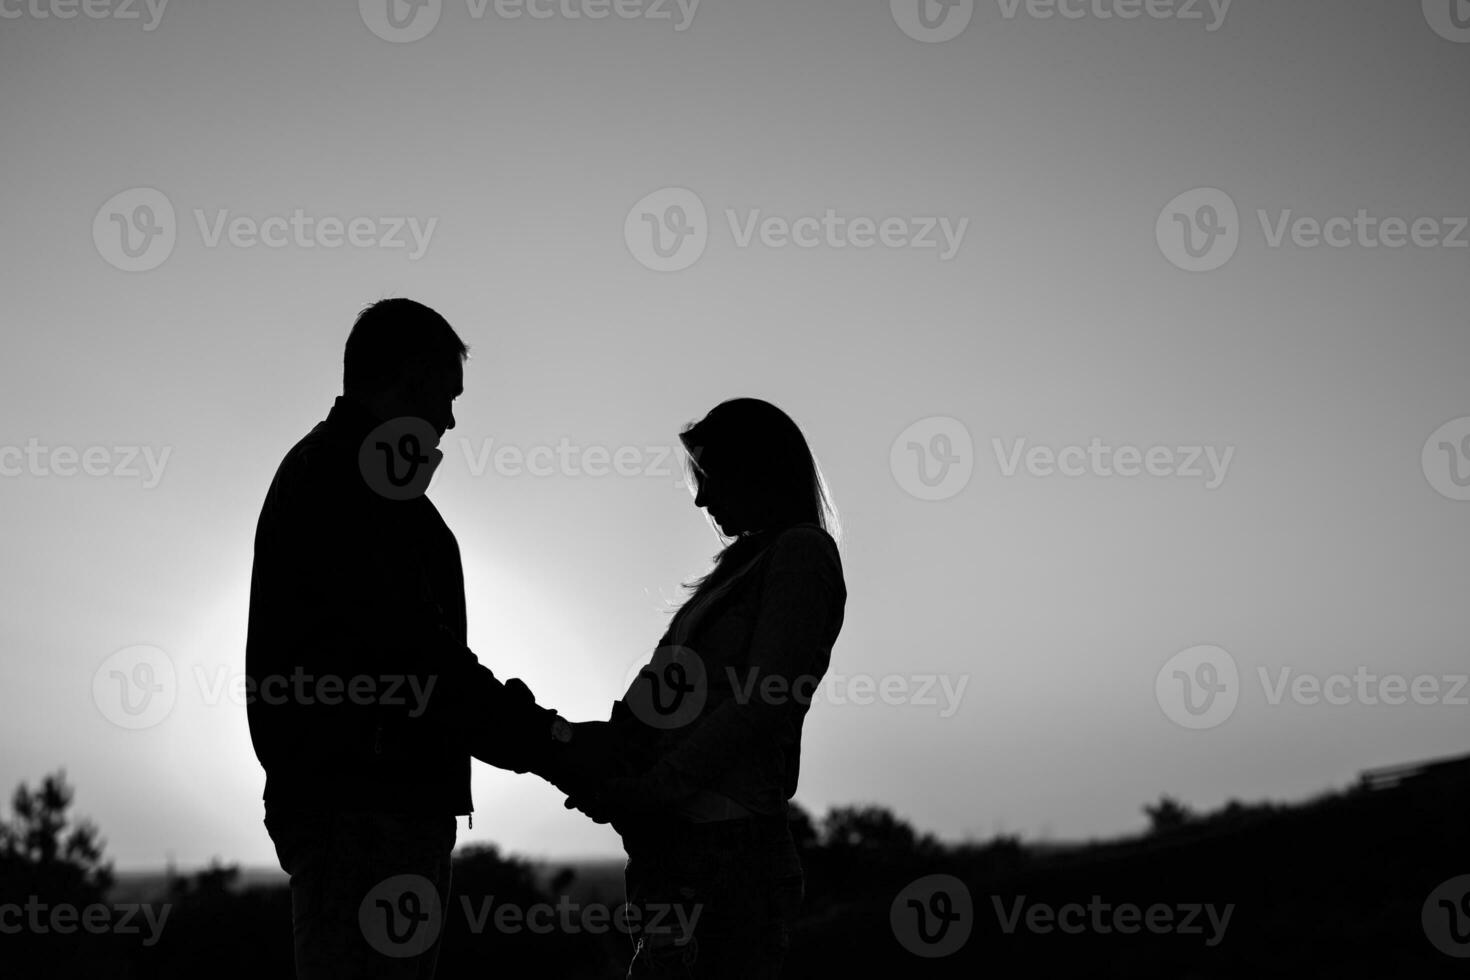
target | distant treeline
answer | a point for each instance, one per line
(1333, 887)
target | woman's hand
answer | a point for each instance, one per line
(624, 799)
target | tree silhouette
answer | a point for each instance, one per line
(1168, 814)
(211, 884)
(871, 829)
(43, 851)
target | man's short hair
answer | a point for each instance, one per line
(388, 336)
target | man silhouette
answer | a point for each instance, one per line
(366, 705)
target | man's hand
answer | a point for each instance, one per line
(523, 699)
(518, 734)
(518, 694)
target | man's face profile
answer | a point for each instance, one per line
(433, 389)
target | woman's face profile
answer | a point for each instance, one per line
(727, 505)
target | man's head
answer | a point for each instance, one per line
(402, 358)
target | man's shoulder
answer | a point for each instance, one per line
(312, 466)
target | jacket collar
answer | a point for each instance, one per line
(351, 419)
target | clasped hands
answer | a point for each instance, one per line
(591, 764)
(597, 779)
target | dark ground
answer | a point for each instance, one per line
(1333, 887)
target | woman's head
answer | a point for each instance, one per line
(752, 471)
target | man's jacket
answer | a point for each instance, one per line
(361, 692)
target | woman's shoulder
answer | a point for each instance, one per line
(805, 546)
(804, 536)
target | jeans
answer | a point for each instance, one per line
(727, 894)
(369, 891)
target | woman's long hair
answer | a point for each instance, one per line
(756, 445)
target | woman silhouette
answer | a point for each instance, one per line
(711, 728)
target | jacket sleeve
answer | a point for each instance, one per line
(800, 595)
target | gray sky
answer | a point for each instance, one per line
(1329, 542)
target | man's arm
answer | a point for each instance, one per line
(369, 609)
